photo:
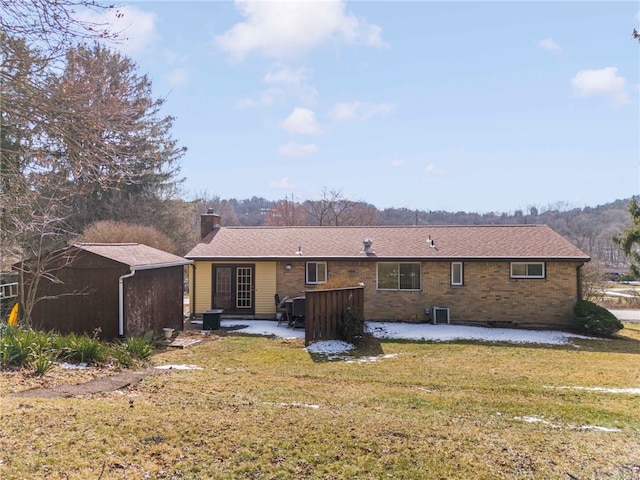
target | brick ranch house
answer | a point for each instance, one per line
(520, 274)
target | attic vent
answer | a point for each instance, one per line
(440, 315)
(367, 242)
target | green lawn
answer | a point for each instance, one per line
(265, 408)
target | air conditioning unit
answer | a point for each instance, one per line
(440, 315)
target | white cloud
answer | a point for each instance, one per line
(302, 121)
(345, 111)
(296, 81)
(549, 44)
(297, 150)
(285, 75)
(286, 83)
(286, 29)
(398, 162)
(136, 28)
(604, 82)
(266, 98)
(431, 172)
(282, 184)
(178, 77)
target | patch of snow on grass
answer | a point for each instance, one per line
(293, 404)
(619, 294)
(331, 347)
(534, 419)
(375, 358)
(447, 333)
(178, 367)
(599, 429)
(74, 366)
(630, 391)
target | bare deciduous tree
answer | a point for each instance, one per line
(334, 209)
(55, 26)
(593, 278)
(286, 213)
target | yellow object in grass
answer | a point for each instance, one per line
(13, 316)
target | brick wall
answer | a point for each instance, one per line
(488, 293)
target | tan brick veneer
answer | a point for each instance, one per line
(488, 293)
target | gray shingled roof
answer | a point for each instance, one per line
(134, 255)
(397, 242)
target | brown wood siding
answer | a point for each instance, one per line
(87, 298)
(153, 300)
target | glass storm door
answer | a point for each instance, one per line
(233, 287)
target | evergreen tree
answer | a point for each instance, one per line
(629, 239)
(112, 148)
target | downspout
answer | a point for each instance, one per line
(192, 294)
(121, 302)
(579, 280)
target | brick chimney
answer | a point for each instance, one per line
(208, 222)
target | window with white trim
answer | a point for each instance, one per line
(316, 272)
(457, 273)
(527, 270)
(398, 276)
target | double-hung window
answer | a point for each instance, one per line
(527, 269)
(399, 276)
(457, 273)
(316, 272)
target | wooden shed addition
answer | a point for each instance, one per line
(118, 289)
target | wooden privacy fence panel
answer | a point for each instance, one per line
(325, 310)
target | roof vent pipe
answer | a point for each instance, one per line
(367, 242)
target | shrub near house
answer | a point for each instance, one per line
(593, 319)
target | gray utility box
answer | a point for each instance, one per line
(211, 319)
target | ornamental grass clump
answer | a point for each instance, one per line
(127, 351)
(595, 320)
(19, 347)
(39, 350)
(42, 362)
(83, 349)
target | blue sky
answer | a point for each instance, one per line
(458, 106)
